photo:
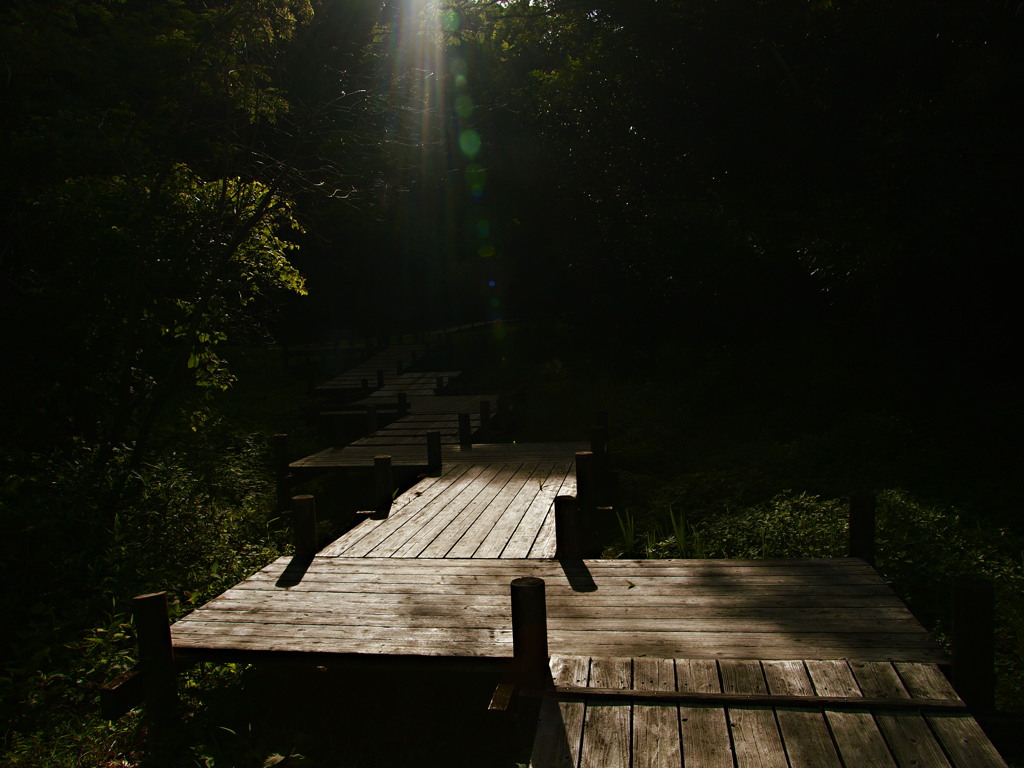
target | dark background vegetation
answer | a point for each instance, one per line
(777, 241)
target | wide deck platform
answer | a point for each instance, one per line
(715, 609)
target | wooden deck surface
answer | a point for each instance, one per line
(620, 733)
(415, 454)
(490, 510)
(755, 609)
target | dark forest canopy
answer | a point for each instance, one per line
(698, 168)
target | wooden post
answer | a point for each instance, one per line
(304, 525)
(380, 379)
(585, 471)
(156, 657)
(465, 432)
(974, 643)
(403, 405)
(485, 418)
(530, 634)
(384, 483)
(434, 454)
(438, 385)
(569, 543)
(365, 386)
(599, 445)
(372, 422)
(862, 527)
(279, 446)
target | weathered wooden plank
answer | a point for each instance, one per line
(805, 734)
(436, 516)
(704, 730)
(755, 734)
(389, 536)
(910, 739)
(462, 520)
(500, 506)
(355, 543)
(656, 741)
(560, 728)
(497, 539)
(961, 736)
(606, 731)
(855, 733)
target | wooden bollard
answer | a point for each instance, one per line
(384, 483)
(585, 481)
(569, 537)
(156, 657)
(485, 417)
(380, 379)
(304, 525)
(434, 454)
(465, 432)
(372, 422)
(403, 405)
(365, 386)
(974, 643)
(279, 446)
(862, 527)
(438, 385)
(530, 634)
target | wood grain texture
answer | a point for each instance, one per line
(349, 603)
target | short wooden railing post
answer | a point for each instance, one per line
(434, 454)
(380, 379)
(403, 405)
(974, 643)
(364, 385)
(304, 525)
(279, 446)
(372, 422)
(585, 480)
(569, 539)
(438, 385)
(384, 483)
(862, 527)
(465, 432)
(530, 634)
(156, 657)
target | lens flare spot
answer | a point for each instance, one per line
(486, 251)
(483, 228)
(491, 283)
(463, 106)
(469, 143)
(451, 21)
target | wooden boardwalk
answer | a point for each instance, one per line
(496, 510)
(430, 578)
(611, 731)
(757, 609)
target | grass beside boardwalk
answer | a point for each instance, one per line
(722, 452)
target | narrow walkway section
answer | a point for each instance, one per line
(631, 731)
(498, 509)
